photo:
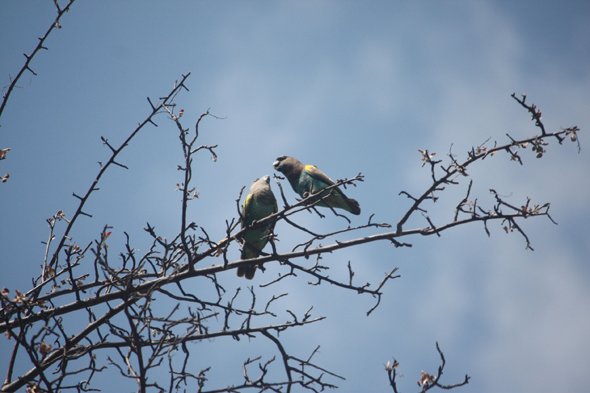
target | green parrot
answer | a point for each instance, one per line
(259, 203)
(307, 179)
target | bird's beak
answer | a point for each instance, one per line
(275, 164)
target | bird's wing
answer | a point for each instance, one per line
(318, 175)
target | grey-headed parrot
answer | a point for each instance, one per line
(307, 180)
(259, 203)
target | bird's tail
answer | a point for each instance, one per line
(248, 252)
(248, 271)
(353, 206)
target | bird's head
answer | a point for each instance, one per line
(287, 164)
(260, 181)
(279, 163)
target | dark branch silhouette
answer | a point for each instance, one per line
(124, 324)
(426, 381)
(27, 66)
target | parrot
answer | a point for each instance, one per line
(259, 203)
(308, 179)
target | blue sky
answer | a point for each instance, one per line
(350, 87)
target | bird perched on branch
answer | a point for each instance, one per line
(307, 180)
(259, 203)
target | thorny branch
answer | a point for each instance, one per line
(55, 24)
(13, 81)
(145, 337)
(455, 169)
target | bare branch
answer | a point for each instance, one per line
(26, 66)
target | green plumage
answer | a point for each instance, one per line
(307, 180)
(259, 203)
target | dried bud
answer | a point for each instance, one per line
(390, 366)
(20, 297)
(425, 378)
(33, 389)
(45, 348)
(3, 153)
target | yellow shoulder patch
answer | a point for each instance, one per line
(308, 167)
(247, 201)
